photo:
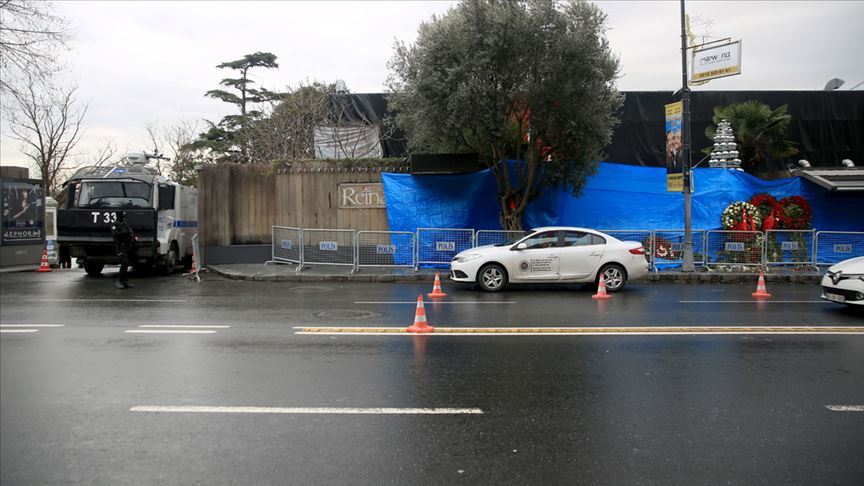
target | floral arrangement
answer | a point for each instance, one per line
(664, 249)
(769, 210)
(741, 216)
(795, 213)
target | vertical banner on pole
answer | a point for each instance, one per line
(674, 157)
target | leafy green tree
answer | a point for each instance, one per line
(228, 140)
(532, 80)
(760, 132)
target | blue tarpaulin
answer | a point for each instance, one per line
(617, 197)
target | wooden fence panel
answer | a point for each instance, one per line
(238, 204)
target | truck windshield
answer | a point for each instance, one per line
(114, 194)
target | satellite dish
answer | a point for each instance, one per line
(834, 84)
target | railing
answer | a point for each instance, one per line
(287, 245)
(734, 248)
(790, 247)
(835, 246)
(438, 246)
(384, 249)
(328, 247)
(668, 247)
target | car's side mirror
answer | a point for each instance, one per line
(520, 246)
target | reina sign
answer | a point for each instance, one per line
(361, 196)
(716, 62)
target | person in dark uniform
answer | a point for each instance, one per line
(124, 240)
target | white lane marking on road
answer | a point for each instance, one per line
(752, 301)
(845, 408)
(32, 325)
(106, 300)
(166, 331)
(17, 331)
(307, 410)
(577, 331)
(414, 302)
(182, 326)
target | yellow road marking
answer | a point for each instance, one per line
(596, 330)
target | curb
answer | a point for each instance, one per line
(699, 277)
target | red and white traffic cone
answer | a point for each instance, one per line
(436, 288)
(44, 266)
(761, 291)
(420, 325)
(601, 291)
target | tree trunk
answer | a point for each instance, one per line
(510, 217)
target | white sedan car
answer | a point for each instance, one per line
(844, 282)
(552, 254)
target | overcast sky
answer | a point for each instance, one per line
(151, 62)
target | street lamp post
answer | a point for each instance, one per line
(685, 136)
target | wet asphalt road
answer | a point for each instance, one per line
(660, 409)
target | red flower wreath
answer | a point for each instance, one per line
(796, 213)
(769, 209)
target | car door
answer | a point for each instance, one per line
(538, 261)
(581, 254)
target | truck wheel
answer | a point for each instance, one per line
(170, 259)
(93, 269)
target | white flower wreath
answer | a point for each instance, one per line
(733, 214)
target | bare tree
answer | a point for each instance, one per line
(48, 125)
(176, 141)
(286, 131)
(30, 34)
(106, 154)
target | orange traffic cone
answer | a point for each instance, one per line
(420, 325)
(601, 291)
(436, 288)
(761, 291)
(43, 266)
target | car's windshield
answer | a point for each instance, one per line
(511, 240)
(114, 194)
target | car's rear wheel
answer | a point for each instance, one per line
(492, 277)
(614, 276)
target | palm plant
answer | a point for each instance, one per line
(760, 132)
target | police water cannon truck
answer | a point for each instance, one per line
(163, 215)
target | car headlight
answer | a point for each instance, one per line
(466, 257)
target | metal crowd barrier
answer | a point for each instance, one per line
(790, 247)
(196, 260)
(327, 247)
(384, 249)
(494, 237)
(287, 245)
(668, 247)
(735, 248)
(438, 246)
(835, 246)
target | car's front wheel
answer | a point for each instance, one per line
(614, 276)
(492, 277)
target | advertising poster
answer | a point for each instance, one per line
(715, 62)
(674, 159)
(23, 212)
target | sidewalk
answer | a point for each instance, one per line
(321, 273)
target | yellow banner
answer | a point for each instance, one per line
(674, 163)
